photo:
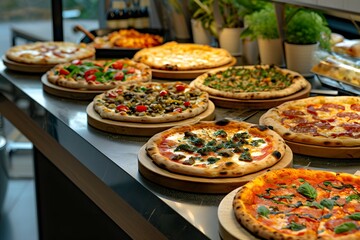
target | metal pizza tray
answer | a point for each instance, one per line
(339, 85)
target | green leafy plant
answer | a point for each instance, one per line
(303, 26)
(203, 11)
(233, 11)
(261, 24)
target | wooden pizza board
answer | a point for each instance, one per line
(229, 227)
(190, 74)
(24, 67)
(199, 184)
(259, 103)
(321, 151)
(143, 129)
(59, 91)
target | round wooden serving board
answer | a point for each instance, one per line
(190, 74)
(24, 67)
(199, 184)
(259, 103)
(229, 227)
(71, 93)
(142, 129)
(322, 151)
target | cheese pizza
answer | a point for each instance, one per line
(324, 121)
(175, 56)
(47, 53)
(151, 102)
(98, 74)
(216, 149)
(300, 204)
(251, 82)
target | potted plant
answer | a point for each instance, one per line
(262, 25)
(304, 30)
(202, 21)
(232, 14)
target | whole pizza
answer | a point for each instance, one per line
(250, 82)
(175, 56)
(98, 74)
(151, 102)
(300, 204)
(216, 149)
(49, 52)
(324, 121)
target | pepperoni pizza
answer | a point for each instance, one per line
(323, 121)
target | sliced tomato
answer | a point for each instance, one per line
(122, 108)
(111, 95)
(130, 70)
(141, 108)
(119, 76)
(177, 110)
(118, 65)
(90, 72)
(77, 62)
(90, 78)
(180, 88)
(187, 104)
(64, 71)
(163, 93)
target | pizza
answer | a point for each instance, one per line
(324, 121)
(48, 53)
(98, 74)
(151, 102)
(175, 56)
(348, 47)
(128, 38)
(224, 149)
(250, 82)
(300, 204)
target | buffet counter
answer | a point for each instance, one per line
(87, 181)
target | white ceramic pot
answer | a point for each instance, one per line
(271, 51)
(229, 39)
(300, 58)
(250, 51)
(200, 34)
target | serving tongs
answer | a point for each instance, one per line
(79, 28)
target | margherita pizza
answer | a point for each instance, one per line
(151, 102)
(98, 75)
(175, 56)
(49, 52)
(324, 121)
(300, 204)
(251, 82)
(216, 149)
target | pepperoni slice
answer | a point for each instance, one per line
(311, 109)
(350, 115)
(351, 127)
(292, 113)
(324, 125)
(355, 107)
(304, 128)
(332, 105)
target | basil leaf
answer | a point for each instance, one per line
(352, 197)
(354, 216)
(345, 227)
(295, 226)
(263, 211)
(317, 205)
(328, 203)
(307, 190)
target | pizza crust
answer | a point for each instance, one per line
(274, 118)
(142, 74)
(49, 52)
(225, 167)
(175, 56)
(298, 83)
